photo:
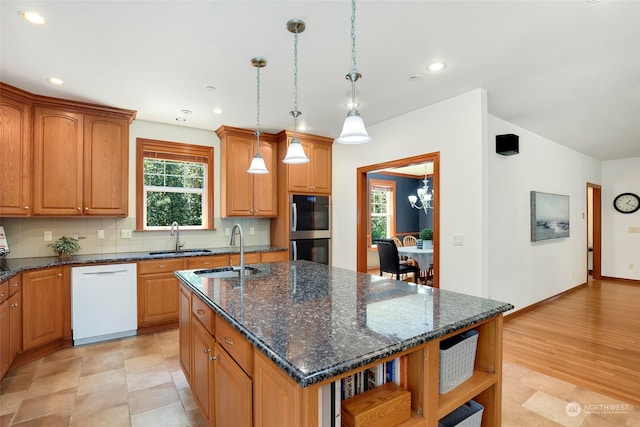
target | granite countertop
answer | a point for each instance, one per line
(12, 266)
(316, 321)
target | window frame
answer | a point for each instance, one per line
(386, 184)
(168, 150)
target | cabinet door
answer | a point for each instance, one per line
(5, 338)
(106, 166)
(265, 186)
(185, 331)
(321, 168)
(157, 298)
(237, 184)
(43, 307)
(299, 176)
(15, 323)
(15, 157)
(202, 369)
(276, 401)
(233, 397)
(57, 166)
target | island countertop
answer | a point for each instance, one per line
(316, 322)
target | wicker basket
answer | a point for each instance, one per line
(457, 357)
(467, 415)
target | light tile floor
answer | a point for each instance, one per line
(138, 382)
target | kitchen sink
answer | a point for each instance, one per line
(183, 251)
(226, 272)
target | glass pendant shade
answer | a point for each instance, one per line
(353, 131)
(258, 165)
(295, 153)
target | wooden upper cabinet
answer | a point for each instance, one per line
(62, 158)
(106, 166)
(313, 177)
(15, 156)
(242, 193)
(57, 142)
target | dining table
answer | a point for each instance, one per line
(424, 257)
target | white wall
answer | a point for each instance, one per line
(520, 271)
(620, 248)
(453, 127)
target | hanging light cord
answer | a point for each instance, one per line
(353, 74)
(295, 113)
(258, 113)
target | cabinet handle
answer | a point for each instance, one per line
(1, 294)
(26, 208)
(14, 305)
(207, 350)
(162, 266)
(59, 274)
(15, 285)
(200, 312)
(228, 341)
(212, 358)
(86, 208)
(79, 208)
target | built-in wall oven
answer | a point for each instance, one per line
(310, 233)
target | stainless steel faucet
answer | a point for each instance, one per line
(176, 227)
(233, 242)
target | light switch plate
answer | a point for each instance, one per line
(458, 240)
(125, 234)
(100, 234)
(252, 230)
(48, 236)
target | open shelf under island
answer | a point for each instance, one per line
(259, 352)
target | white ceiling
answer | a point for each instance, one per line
(566, 70)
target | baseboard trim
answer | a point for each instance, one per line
(620, 280)
(546, 301)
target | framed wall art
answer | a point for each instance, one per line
(549, 216)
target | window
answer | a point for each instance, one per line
(174, 182)
(381, 209)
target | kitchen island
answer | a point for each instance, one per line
(297, 326)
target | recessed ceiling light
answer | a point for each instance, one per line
(414, 77)
(217, 110)
(435, 67)
(33, 17)
(55, 80)
(180, 119)
(211, 88)
(185, 111)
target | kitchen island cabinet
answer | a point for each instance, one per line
(310, 325)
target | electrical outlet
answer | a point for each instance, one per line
(252, 230)
(48, 236)
(630, 266)
(100, 234)
(458, 240)
(227, 232)
(125, 234)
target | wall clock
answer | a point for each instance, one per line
(627, 203)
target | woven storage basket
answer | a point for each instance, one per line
(457, 357)
(467, 415)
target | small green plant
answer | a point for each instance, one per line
(65, 245)
(426, 234)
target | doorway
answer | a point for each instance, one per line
(594, 231)
(362, 192)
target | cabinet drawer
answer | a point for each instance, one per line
(202, 311)
(15, 284)
(207, 261)
(235, 344)
(160, 266)
(274, 256)
(252, 258)
(4, 291)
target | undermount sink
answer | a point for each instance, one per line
(183, 251)
(226, 272)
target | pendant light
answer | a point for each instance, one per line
(353, 131)
(295, 151)
(257, 164)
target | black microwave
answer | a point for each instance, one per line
(310, 217)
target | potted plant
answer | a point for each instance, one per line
(426, 234)
(65, 246)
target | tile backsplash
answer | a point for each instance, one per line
(25, 236)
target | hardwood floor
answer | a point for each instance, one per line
(589, 337)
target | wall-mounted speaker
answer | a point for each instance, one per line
(507, 145)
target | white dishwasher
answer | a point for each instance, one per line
(103, 302)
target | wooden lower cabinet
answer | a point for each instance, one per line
(5, 330)
(184, 326)
(276, 397)
(45, 301)
(202, 380)
(15, 325)
(232, 392)
(158, 300)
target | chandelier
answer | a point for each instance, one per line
(424, 195)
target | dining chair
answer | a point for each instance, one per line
(409, 241)
(390, 260)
